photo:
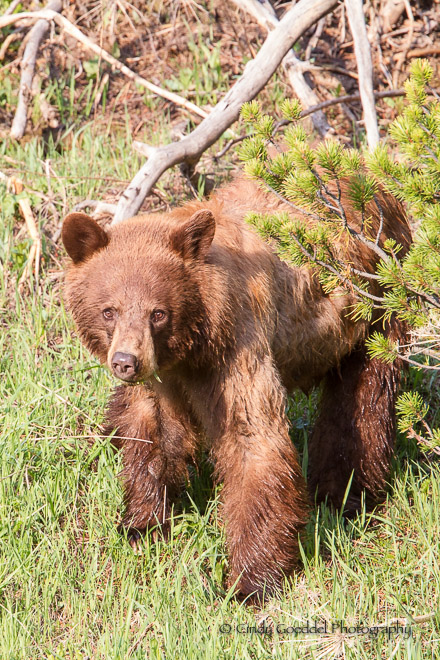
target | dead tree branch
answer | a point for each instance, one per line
(36, 35)
(12, 7)
(353, 97)
(73, 31)
(362, 51)
(265, 15)
(349, 98)
(402, 56)
(391, 12)
(99, 207)
(256, 74)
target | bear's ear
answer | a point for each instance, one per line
(82, 236)
(193, 238)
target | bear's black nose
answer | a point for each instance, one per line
(125, 365)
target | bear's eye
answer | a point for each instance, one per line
(158, 315)
(109, 314)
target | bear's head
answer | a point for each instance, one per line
(134, 291)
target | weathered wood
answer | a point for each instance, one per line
(356, 18)
(265, 15)
(256, 74)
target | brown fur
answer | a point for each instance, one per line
(239, 328)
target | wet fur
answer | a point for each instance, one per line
(245, 329)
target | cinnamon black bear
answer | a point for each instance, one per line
(208, 330)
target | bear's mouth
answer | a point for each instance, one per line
(140, 380)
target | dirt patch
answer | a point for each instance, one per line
(198, 49)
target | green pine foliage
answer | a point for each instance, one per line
(308, 179)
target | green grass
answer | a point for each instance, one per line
(70, 586)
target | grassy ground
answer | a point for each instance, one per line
(70, 586)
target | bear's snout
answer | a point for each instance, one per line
(125, 366)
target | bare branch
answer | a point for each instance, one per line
(74, 32)
(14, 36)
(99, 207)
(348, 283)
(402, 56)
(265, 15)
(256, 74)
(411, 433)
(291, 204)
(424, 52)
(27, 71)
(356, 19)
(431, 299)
(324, 104)
(313, 42)
(12, 7)
(142, 148)
(418, 364)
(352, 97)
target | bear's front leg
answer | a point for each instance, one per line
(264, 496)
(157, 444)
